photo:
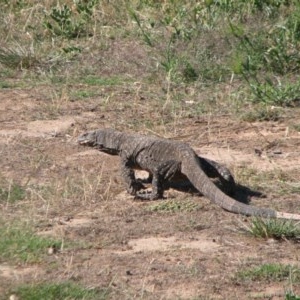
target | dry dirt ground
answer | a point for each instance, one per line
(75, 194)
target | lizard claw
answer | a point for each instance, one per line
(135, 187)
(147, 195)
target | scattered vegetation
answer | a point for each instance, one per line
(261, 113)
(157, 63)
(58, 291)
(12, 194)
(291, 296)
(265, 181)
(98, 81)
(252, 45)
(18, 57)
(71, 21)
(296, 127)
(19, 244)
(174, 206)
(269, 273)
(274, 228)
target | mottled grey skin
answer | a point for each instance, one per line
(165, 159)
(172, 179)
(179, 181)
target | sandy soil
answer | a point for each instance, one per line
(123, 244)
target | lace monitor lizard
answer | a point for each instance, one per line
(165, 159)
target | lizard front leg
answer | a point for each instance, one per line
(132, 185)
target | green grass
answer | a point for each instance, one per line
(83, 94)
(58, 291)
(198, 45)
(6, 85)
(159, 65)
(17, 57)
(102, 81)
(70, 22)
(285, 183)
(274, 228)
(291, 296)
(19, 244)
(269, 273)
(172, 206)
(296, 127)
(262, 113)
(12, 194)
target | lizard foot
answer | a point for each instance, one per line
(147, 195)
(135, 187)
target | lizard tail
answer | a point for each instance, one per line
(204, 185)
(288, 216)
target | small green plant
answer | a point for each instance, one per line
(17, 57)
(296, 127)
(261, 113)
(70, 23)
(71, 50)
(274, 228)
(62, 24)
(145, 33)
(58, 291)
(102, 81)
(13, 194)
(269, 273)
(189, 73)
(291, 296)
(174, 206)
(84, 94)
(268, 57)
(270, 93)
(169, 59)
(19, 244)
(17, 5)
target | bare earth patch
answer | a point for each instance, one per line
(75, 194)
(169, 243)
(10, 272)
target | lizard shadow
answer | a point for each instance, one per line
(244, 194)
(240, 192)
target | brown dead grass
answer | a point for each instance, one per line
(76, 194)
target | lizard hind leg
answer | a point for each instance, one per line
(161, 175)
(215, 170)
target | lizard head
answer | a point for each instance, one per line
(103, 139)
(87, 139)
